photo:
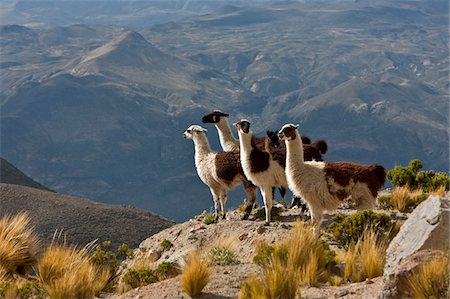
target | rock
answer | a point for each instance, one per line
(261, 229)
(243, 236)
(153, 254)
(426, 228)
(341, 293)
(397, 284)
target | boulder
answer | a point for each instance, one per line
(397, 284)
(426, 228)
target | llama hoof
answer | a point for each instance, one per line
(217, 218)
(224, 217)
(266, 223)
(245, 216)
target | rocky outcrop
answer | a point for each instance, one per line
(427, 228)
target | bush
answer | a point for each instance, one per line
(210, 218)
(263, 254)
(66, 272)
(366, 258)
(166, 244)
(222, 256)
(278, 281)
(195, 276)
(385, 202)
(166, 270)
(140, 277)
(303, 253)
(431, 280)
(410, 176)
(18, 244)
(348, 230)
(260, 213)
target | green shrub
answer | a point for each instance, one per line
(222, 256)
(347, 230)
(410, 176)
(166, 270)
(263, 255)
(103, 256)
(210, 218)
(166, 244)
(385, 202)
(260, 214)
(23, 290)
(140, 277)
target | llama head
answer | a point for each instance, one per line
(288, 132)
(193, 130)
(243, 126)
(273, 138)
(214, 117)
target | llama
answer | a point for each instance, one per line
(220, 171)
(264, 169)
(229, 143)
(311, 152)
(325, 185)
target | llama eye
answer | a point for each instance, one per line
(189, 131)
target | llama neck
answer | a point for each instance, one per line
(201, 145)
(294, 152)
(225, 136)
(245, 144)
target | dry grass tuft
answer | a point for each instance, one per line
(305, 252)
(365, 259)
(66, 272)
(18, 244)
(195, 276)
(439, 191)
(401, 198)
(431, 280)
(277, 281)
(302, 258)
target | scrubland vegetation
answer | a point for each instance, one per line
(351, 249)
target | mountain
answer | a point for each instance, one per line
(79, 220)
(11, 175)
(98, 111)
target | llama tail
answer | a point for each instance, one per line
(380, 173)
(321, 146)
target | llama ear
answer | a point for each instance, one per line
(296, 126)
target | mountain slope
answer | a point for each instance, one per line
(11, 175)
(80, 220)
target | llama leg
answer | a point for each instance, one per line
(283, 194)
(216, 200)
(295, 202)
(363, 198)
(250, 190)
(316, 219)
(268, 202)
(223, 200)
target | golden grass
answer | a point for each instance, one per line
(300, 259)
(366, 258)
(195, 276)
(401, 198)
(305, 252)
(3, 274)
(277, 281)
(18, 244)
(431, 280)
(66, 272)
(439, 191)
(225, 241)
(336, 281)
